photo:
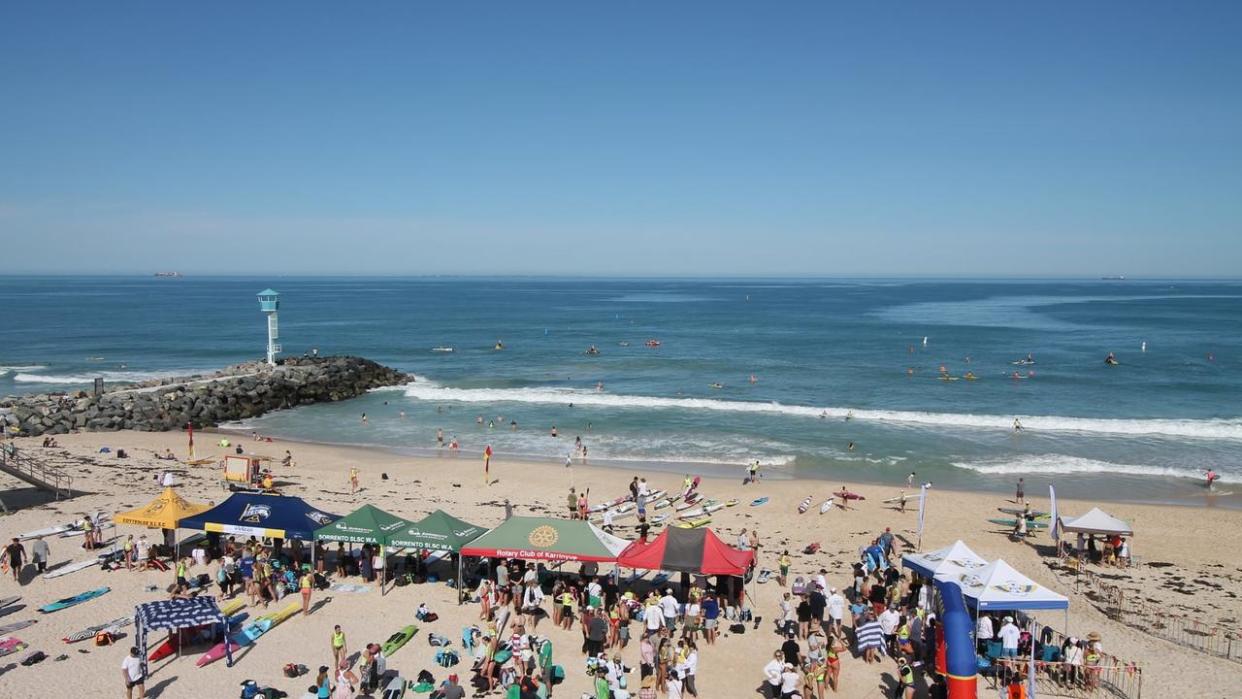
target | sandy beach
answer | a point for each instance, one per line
(1188, 565)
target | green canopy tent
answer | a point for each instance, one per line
(547, 539)
(366, 525)
(438, 531)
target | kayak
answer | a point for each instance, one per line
(76, 599)
(804, 505)
(605, 505)
(759, 501)
(1013, 523)
(827, 505)
(90, 631)
(849, 496)
(395, 641)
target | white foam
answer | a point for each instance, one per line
(4, 370)
(1211, 429)
(79, 379)
(1061, 464)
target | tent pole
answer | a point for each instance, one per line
(459, 578)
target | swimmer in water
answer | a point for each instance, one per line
(1110, 359)
(850, 447)
(849, 415)
(1017, 426)
(1211, 477)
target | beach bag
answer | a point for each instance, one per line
(401, 580)
(446, 658)
(737, 628)
(799, 585)
(436, 640)
(502, 656)
(430, 616)
(425, 677)
(558, 674)
(295, 670)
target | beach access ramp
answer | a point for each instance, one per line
(23, 466)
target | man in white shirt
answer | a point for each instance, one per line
(653, 618)
(607, 525)
(643, 489)
(668, 607)
(836, 609)
(1009, 635)
(131, 671)
(983, 633)
(791, 681)
(889, 619)
(772, 673)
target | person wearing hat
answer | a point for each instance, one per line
(772, 675)
(668, 607)
(791, 681)
(452, 690)
(323, 683)
(1009, 634)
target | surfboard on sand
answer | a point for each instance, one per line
(804, 505)
(72, 568)
(1013, 523)
(827, 505)
(395, 689)
(76, 599)
(759, 501)
(848, 495)
(17, 626)
(395, 641)
(1034, 514)
(90, 631)
(9, 600)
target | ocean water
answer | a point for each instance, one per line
(834, 362)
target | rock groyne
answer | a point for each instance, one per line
(236, 393)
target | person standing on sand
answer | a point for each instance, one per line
(487, 465)
(1021, 492)
(353, 480)
(39, 554)
(307, 583)
(15, 556)
(131, 672)
(572, 500)
(340, 650)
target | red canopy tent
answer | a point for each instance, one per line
(687, 551)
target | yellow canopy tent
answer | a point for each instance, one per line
(163, 512)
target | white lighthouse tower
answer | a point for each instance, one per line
(269, 303)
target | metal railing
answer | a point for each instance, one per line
(18, 464)
(1156, 620)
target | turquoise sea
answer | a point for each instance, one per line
(834, 362)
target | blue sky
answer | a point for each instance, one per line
(622, 138)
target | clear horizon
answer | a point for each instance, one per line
(561, 140)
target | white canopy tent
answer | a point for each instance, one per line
(1096, 521)
(998, 587)
(949, 562)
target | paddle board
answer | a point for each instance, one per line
(293, 608)
(76, 599)
(101, 520)
(395, 641)
(661, 503)
(9, 600)
(827, 505)
(659, 519)
(395, 689)
(239, 640)
(90, 631)
(228, 608)
(1013, 523)
(759, 501)
(17, 626)
(804, 505)
(71, 568)
(848, 495)
(731, 502)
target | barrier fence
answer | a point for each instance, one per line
(1105, 676)
(1158, 621)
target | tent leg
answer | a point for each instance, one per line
(459, 578)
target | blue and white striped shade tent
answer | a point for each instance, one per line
(173, 614)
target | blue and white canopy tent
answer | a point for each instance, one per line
(275, 516)
(176, 614)
(999, 587)
(947, 563)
